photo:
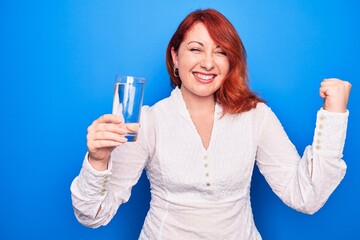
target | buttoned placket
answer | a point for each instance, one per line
(207, 173)
(104, 185)
(319, 134)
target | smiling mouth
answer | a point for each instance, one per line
(204, 77)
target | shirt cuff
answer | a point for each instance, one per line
(330, 133)
(93, 182)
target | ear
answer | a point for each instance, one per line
(174, 57)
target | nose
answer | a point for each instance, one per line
(207, 62)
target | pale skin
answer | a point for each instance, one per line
(202, 67)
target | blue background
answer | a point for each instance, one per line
(58, 65)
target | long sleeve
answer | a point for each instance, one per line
(303, 183)
(106, 190)
(190, 183)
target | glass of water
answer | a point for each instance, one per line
(128, 98)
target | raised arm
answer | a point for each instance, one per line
(109, 171)
(305, 183)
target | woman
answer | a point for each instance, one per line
(199, 145)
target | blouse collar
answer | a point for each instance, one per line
(179, 102)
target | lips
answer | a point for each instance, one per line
(204, 78)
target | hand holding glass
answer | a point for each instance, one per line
(128, 98)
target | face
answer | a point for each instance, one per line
(202, 64)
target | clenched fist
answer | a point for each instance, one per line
(336, 94)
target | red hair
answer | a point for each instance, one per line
(234, 95)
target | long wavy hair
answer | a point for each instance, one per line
(234, 95)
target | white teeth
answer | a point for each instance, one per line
(205, 77)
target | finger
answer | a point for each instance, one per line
(104, 144)
(347, 85)
(108, 127)
(323, 90)
(330, 81)
(108, 118)
(133, 127)
(328, 85)
(335, 85)
(106, 136)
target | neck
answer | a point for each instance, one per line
(198, 105)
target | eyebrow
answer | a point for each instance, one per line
(200, 43)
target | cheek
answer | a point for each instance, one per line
(224, 66)
(188, 60)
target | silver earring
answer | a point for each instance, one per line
(176, 72)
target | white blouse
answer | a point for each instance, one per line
(199, 193)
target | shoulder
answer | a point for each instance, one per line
(261, 109)
(162, 105)
(255, 116)
(159, 108)
(168, 104)
(262, 114)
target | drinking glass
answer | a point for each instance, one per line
(128, 98)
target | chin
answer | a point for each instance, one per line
(205, 93)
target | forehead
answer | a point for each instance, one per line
(199, 33)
